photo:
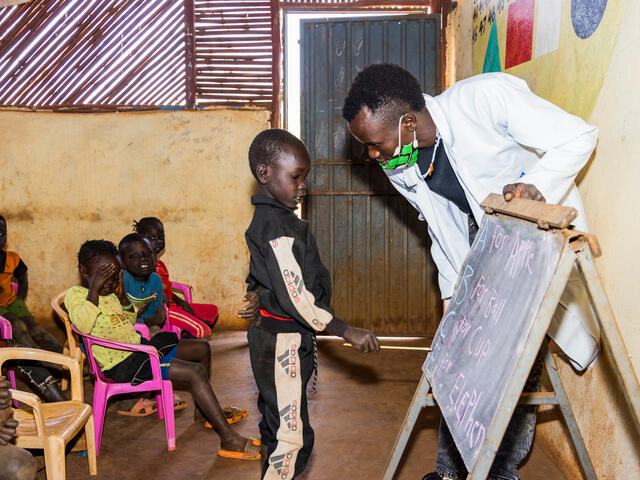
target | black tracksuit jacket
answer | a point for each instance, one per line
(287, 273)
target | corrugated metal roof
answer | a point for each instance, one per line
(233, 52)
(56, 53)
(105, 54)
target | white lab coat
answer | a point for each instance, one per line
(494, 130)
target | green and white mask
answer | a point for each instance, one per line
(405, 155)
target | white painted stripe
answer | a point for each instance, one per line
(548, 14)
(288, 379)
(302, 299)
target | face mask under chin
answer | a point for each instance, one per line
(404, 155)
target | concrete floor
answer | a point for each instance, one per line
(356, 414)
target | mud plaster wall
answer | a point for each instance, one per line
(608, 185)
(67, 178)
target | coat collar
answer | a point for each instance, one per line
(440, 119)
(262, 200)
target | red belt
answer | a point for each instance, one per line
(264, 313)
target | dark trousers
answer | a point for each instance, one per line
(282, 365)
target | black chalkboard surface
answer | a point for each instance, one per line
(486, 324)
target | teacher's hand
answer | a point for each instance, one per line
(522, 190)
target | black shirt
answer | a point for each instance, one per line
(442, 180)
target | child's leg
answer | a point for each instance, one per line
(282, 365)
(188, 322)
(43, 338)
(196, 375)
(20, 331)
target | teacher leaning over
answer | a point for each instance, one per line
(445, 154)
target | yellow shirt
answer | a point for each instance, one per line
(108, 320)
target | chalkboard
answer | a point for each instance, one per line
(486, 324)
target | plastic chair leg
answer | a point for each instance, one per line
(90, 436)
(54, 459)
(169, 417)
(99, 410)
(159, 403)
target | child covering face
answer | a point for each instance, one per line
(95, 309)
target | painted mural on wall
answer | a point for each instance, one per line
(561, 47)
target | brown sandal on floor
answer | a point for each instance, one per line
(234, 414)
(143, 408)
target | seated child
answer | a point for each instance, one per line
(15, 463)
(181, 312)
(140, 281)
(295, 291)
(26, 331)
(95, 309)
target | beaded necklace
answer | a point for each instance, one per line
(433, 156)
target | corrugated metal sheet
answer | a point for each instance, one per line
(56, 53)
(233, 52)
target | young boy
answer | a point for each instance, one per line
(25, 330)
(95, 309)
(294, 290)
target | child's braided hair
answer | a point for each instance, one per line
(143, 225)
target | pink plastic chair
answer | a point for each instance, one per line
(206, 311)
(7, 334)
(106, 388)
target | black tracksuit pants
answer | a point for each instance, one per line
(282, 365)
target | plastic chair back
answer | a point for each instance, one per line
(106, 387)
(7, 334)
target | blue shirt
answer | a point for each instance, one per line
(145, 289)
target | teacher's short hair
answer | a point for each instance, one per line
(387, 90)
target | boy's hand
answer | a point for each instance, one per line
(250, 311)
(362, 339)
(101, 276)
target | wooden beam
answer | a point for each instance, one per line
(275, 63)
(190, 54)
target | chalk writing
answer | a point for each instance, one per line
(482, 333)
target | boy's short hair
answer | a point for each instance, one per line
(128, 240)
(94, 248)
(145, 223)
(267, 144)
(385, 89)
(2, 219)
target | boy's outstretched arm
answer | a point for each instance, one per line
(362, 339)
(287, 279)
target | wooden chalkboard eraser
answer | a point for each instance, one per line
(545, 215)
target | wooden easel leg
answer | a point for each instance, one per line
(611, 338)
(567, 414)
(419, 401)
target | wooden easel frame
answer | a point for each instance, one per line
(579, 249)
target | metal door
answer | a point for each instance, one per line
(369, 236)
